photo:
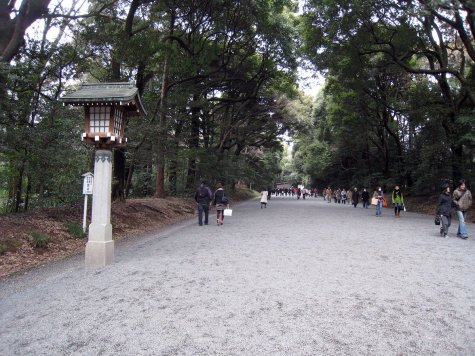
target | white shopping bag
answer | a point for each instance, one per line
(228, 212)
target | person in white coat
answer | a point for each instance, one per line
(264, 199)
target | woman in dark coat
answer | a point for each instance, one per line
(444, 210)
(220, 201)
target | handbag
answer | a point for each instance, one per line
(437, 220)
(385, 203)
(374, 201)
(228, 212)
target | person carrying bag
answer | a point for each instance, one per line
(221, 201)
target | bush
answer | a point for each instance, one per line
(39, 239)
(75, 230)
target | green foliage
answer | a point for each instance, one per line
(232, 97)
(39, 239)
(75, 230)
(384, 119)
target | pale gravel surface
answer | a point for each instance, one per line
(297, 278)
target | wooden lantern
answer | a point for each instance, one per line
(107, 106)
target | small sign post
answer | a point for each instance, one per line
(87, 189)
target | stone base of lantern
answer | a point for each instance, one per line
(99, 253)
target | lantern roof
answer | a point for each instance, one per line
(124, 94)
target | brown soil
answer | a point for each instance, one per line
(129, 219)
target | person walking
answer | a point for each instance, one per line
(220, 201)
(343, 196)
(398, 201)
(444, 210)
(264, 195)
(462, 198)
(338, 196)
(379, 195)
(349, 195)
(329, 195)
(365, 198)
(355, 197)
(203, 198)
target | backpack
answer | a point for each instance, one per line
(202, 192)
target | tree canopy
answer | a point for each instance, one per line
(219, 81)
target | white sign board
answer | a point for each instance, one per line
(88, 184)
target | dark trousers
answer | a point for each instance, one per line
(446, 222)
(203, 208)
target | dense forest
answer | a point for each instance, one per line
(219, 81)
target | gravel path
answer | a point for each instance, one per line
(301, 277)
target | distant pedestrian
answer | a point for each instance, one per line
(349, 195)
(299, 193)
(355, 197)
(398, 201)
(220, 201)
(264, 195)
(379, 196)
(365, 198)
(462, 198)
(203, 198)
(344, 196)
(338, 196)
(329, 195)
(444, 210)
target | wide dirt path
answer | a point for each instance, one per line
(298, 278)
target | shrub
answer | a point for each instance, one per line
(75, 230)
(39, 239)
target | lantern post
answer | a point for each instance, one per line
(107, 105)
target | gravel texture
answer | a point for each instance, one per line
(302, 277)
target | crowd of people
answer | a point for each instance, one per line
(460, 201)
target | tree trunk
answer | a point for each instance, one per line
(162, 134)
(12, 30)
(162, 124)
(118, 190)
(18, 190)
(174, 164)
(193, 144)
(128, 183)
(27, 193)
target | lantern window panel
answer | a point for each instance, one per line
(99, 118)
(118, 114)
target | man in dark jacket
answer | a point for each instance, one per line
(203, 198)
(365, 197)
(444, 210)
